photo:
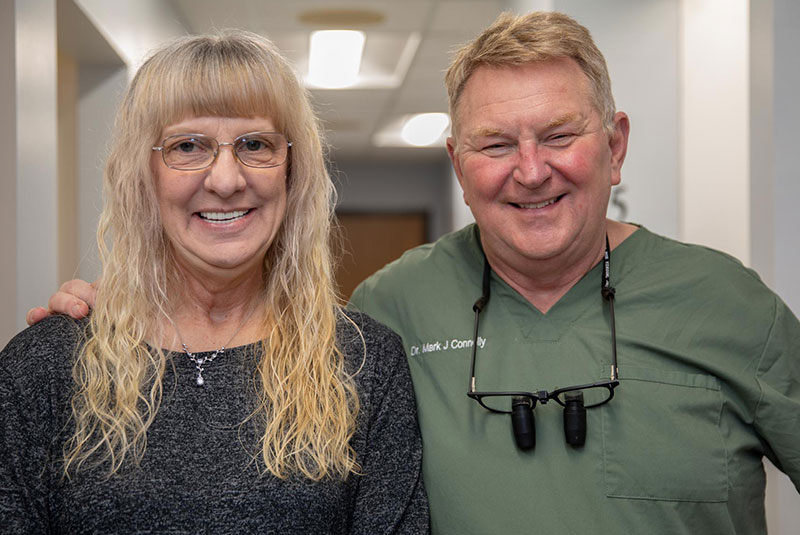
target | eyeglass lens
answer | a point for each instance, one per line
(190, 151)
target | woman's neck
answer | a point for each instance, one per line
(208, 313)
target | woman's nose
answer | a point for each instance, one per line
(225, 176)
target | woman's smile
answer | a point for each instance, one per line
(227, 214)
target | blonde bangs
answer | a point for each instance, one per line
(212, 77)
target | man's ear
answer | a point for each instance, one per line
(451, 152)
(618, 143)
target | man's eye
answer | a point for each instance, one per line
(497, 149)
(560, 140)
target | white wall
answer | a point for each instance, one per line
(134, 28)
(783, 504)
(100, 88)
(640, 43)
(35, 269)
(786, 185)
(37, 166)
(715, 136)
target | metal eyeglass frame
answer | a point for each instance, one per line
(543, 396)
(217, 145)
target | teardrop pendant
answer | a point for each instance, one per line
(200, 380)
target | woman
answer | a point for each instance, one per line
(217, 386)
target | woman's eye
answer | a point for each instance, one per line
(256, 145)
(186, 146)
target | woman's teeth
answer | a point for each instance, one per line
(223, 216)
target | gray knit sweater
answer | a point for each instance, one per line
(198, 473)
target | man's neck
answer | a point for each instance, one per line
(544, 282)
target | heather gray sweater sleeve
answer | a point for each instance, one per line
(31, 416)
(198, 474)
(395, 452)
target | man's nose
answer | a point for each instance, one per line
(225, 175)
(533, 166)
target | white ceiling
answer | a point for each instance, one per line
(351, 116)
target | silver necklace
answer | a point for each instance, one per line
(200, 362)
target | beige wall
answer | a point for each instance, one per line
(67, 167)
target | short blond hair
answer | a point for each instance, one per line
(514, 40)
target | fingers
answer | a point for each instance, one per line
(62, 302)
(35, 315)
(80, 290)
(73, 298)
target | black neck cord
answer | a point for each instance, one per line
(606, 290)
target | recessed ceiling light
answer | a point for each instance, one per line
(425, 128)
(334, 58)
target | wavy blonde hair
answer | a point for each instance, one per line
(514, 40)
(306, 403)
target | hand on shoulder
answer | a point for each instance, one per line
(74, 298)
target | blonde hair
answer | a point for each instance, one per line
(306, 401)
(514, 40)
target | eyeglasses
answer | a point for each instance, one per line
(192, 152)
(574, 399)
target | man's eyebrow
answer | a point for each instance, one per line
(486, 131)
(562, 119)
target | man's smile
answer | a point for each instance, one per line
(537, 205)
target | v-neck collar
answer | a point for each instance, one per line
(583, 298)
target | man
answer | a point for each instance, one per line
(687, 366)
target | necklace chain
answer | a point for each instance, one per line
(201, 362)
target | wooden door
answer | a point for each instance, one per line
(370, 240)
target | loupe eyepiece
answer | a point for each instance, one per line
(522, 422)
(574, 419)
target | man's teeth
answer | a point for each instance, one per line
(538, 204)
(223, 216)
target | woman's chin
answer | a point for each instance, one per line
(221, 263)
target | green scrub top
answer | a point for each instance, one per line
(709, 384)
